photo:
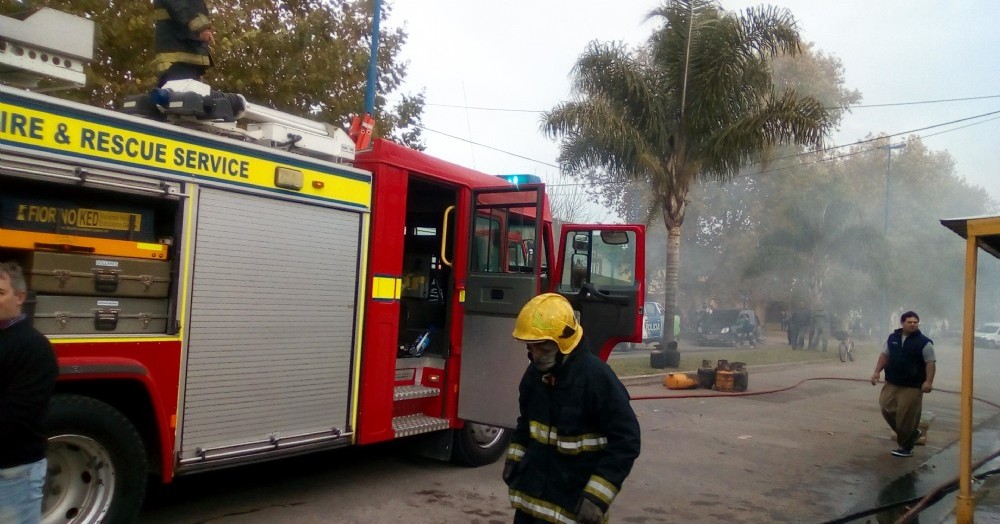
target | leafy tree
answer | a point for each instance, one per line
(697, 101)
(304, 57)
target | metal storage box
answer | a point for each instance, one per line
(65, 315)
(73, 274)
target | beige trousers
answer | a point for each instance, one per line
(901, 408)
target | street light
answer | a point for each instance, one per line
(885, 224)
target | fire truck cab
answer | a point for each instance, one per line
(214, 300)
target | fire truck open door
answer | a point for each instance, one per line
(601, 271)
(505, 268)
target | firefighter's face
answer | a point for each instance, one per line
(543, 354)
(10, 300)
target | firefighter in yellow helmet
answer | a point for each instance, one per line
(576, 436)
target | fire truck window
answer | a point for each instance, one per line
(521, 246)
(487, 250)
(590, 258)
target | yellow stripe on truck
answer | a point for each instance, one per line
(385, 288)
(164, 150)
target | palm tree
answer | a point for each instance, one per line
(696, 101)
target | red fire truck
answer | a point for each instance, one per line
(215, 300)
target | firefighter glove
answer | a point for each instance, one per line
(509, 471)
(589, 513)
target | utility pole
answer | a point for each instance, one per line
(885, 227)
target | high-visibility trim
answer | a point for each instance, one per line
(386, 288)
(107, 340)
(515, 452)
(199, 24)
(541, 509)
(163, 61)
(601, 489)
(359, 325)
(16, 239)
(569, 445)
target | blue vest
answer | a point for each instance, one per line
(906, 366)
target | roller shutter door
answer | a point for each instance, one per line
(273, 312)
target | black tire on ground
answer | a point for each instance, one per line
(850, 351)
(479, 444)
(843, 352)
(96, 463)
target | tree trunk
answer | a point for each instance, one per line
(674, 207)
(671, 281)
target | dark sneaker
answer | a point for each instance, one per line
(902, 452)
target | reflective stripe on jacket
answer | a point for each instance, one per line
(178, 24)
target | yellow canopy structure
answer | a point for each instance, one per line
(979, 233)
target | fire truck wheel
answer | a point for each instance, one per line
(96, 464)
(479, 444)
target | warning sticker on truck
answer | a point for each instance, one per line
(54, 216)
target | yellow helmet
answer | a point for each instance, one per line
(549, 317)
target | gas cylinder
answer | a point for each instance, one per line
(741, 377)
(723, 376)
(706, 375)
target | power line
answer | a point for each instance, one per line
(824, 150)
(854, 106)
(486, 146)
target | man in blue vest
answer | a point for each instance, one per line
(909, 364)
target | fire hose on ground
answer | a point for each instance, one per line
(919, 503)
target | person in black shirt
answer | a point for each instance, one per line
(27, 378)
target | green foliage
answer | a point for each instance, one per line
(697, 102)
(305, 57)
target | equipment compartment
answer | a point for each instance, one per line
(77, 274)
(62, 315)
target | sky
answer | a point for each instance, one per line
(488, 70)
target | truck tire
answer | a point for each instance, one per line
(479, 444)
(97, 469)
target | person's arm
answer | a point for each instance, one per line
(930, 367)
(620, 427)
(929, 383)
(519, 437)
(883, 359)
(182, 12)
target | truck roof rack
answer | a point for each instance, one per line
(45, 44)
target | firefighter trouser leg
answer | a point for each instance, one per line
(901, 408)
(521, 517)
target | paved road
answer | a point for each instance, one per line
(808, 454)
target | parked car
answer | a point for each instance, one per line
(721, 328)
(652, 322)
(988, 335)
(652, 327)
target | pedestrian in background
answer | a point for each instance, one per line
(576, 436)
(909, 364)
(27, 378)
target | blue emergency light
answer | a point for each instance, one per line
(519, 179)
